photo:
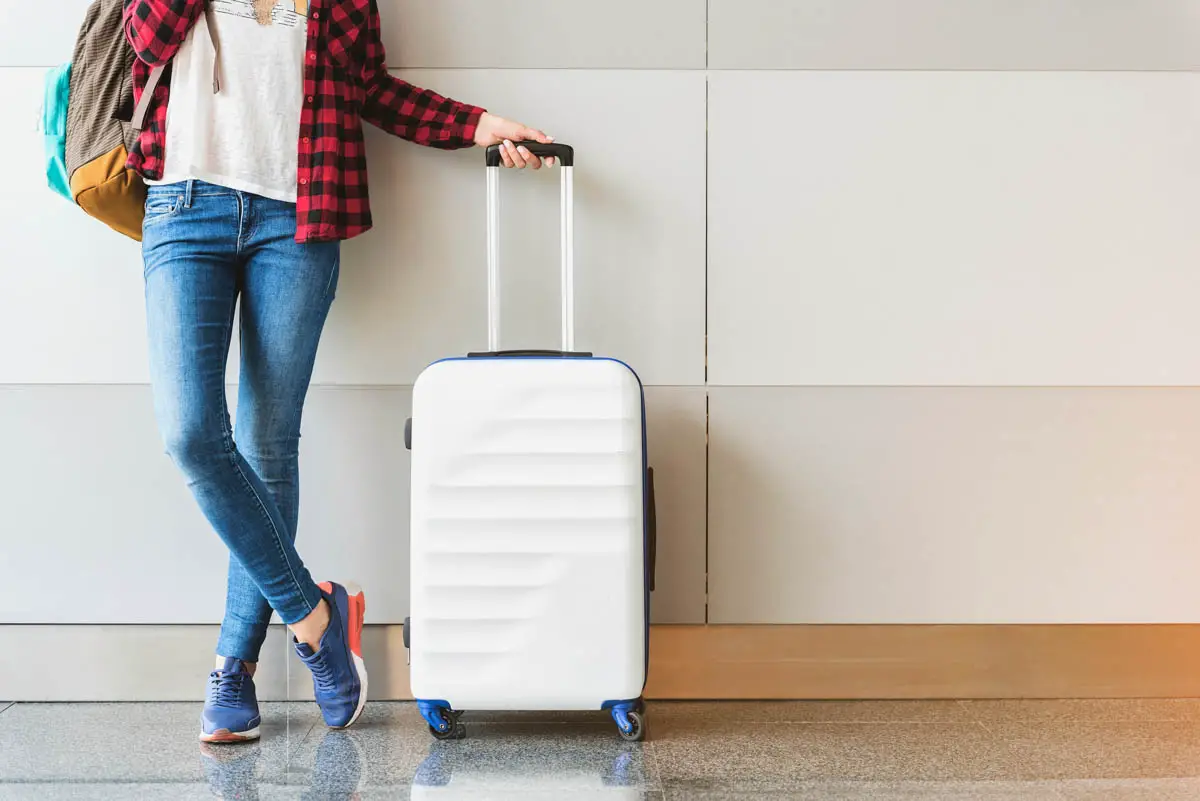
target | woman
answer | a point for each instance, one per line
(253, 153)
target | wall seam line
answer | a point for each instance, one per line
(707, 409)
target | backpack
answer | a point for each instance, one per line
(88, 146)
(54, 129)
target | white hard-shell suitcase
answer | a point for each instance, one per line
(532, 521)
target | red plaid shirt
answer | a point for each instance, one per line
(345, 81)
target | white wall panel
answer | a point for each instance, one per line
(131, 546)
(676, 419)
(29, 37)
(955, 228)
(98, 527)
(414, 289)
(449, 33)
(623, 34)
(71, 303)
(955, 34)
(862, 505)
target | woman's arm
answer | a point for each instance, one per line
(156, 28)
(407, 111)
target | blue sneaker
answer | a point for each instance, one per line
(339, 673)
(231, 706)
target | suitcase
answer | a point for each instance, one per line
(533, 528)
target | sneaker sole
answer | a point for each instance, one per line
(227, 736)
(357, 605)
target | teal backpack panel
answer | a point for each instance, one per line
(54, 129)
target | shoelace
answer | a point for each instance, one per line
(227, 688)
(322, 673)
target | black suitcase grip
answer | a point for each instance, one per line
(564, 153)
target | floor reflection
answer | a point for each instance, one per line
(234, 772)
(498, 761)
(512, 769)
(932, 751)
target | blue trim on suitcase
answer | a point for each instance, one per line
(607, 705)
(620, 712)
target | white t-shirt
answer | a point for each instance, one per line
(245, 136)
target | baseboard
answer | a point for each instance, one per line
(859, 662)
(169, 663)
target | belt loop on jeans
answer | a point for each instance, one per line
(189, 185)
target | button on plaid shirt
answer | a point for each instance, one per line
(346, 81)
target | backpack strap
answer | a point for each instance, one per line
(156, 74)
(216, 43)
(138, 120)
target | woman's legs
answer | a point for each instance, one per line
(192, 247)
(286, 292)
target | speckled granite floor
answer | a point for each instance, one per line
(1058, 750)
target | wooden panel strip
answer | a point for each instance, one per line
(858, 662)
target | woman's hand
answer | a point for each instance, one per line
(493, 130)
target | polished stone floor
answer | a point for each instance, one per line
(1054, 750)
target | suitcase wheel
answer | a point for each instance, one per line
(457, 731)
(631, 721)
(443, 722)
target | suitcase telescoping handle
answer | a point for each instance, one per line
(564, 153)
(566, 159)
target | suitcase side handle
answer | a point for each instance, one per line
(566, 154)
(651, 530)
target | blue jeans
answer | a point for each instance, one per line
(204, 247)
